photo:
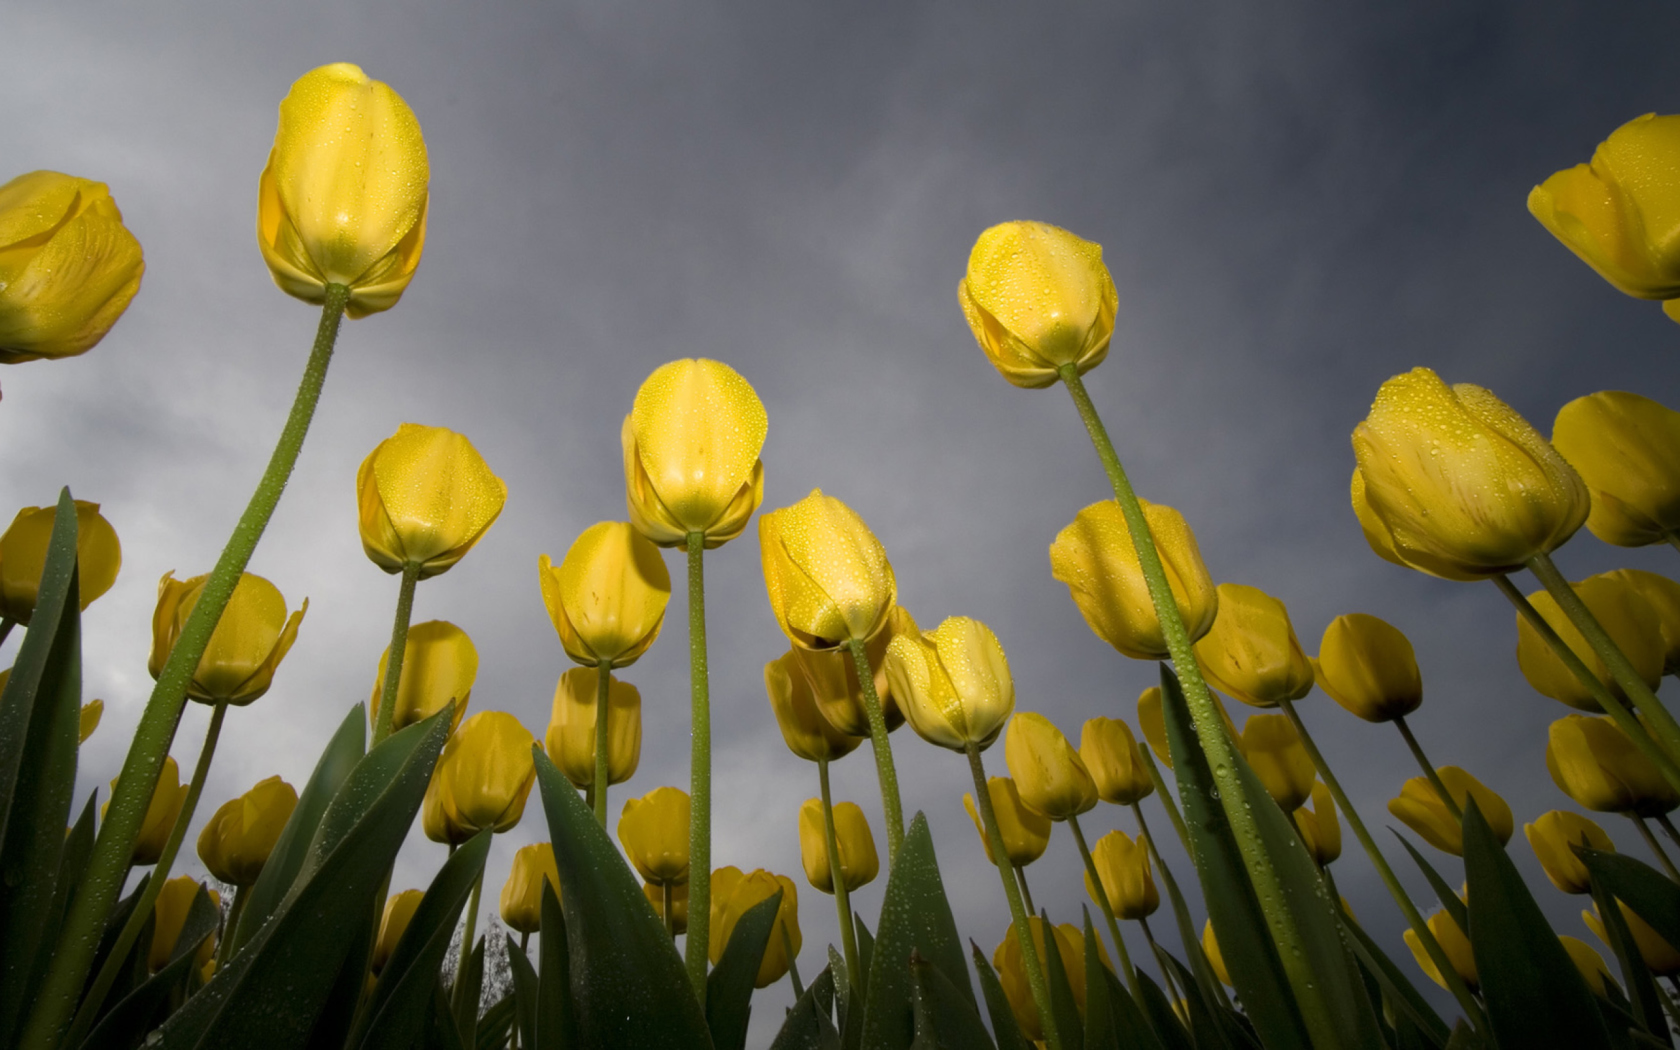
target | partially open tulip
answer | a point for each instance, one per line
(1453, 482)
(1048, 772)
(440, 664)
(1252, 652)
(691, 445)
(1623, 612)
(170, 910)
(236, 842)
(1215, 958)
(1656, 952)
(735, 894)
(1627, 449)
(1123, 865)
(833, 678)
(167, 799)
(1321, 830)
(1369, 667)
(1421, 809)
(1006, 960)
(1038, 297)
(425, 496)
(1593, 762)
(483, 777)
(1590, 963)
(252, 637)
(1274, 751)
(343, 199)
(653, 830)
(1663, 594)
(571, 727)
(1454, 944)
(92, 712)
(679, 904)
(1094, 556)
(859, 863)
(23, 554)
(826, 574)
(1152, 720)
(1552, 836)
(1025, 832)
(399, 912)
(807, 733)
(1111, 756)
(953, 683)
(68, 266)
(607, 596)
(522, 894)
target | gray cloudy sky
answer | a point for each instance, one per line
(1297, 200)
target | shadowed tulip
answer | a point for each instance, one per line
(653, 830)
(835, 687)
(1273, 749)
(1453, 943)
(1656, 952)
(827, 576)
(1153, 723)
(167, 799)
(607, 597)
(1623, 612)
(237, 840)
(1321, 830)
(859, 864)
(570, 741)
(1420, 808)
(1368, 666)
(440, 664)
(953, 683)
(1123, 865)
(1627, 450)
(1006, 960)
(807, 733)
(252, 637)
(482, 779)
(522, 894)
(1663, 594)
(399, 912)
(1048, 772)
(1593, 762)
(1591, 965)
(1111, 756)
(1252, 652)
(425, 496)
(170, 910)
(1025, 832)
(23, 554)
(1552, 836)
(92, 712)
(735, 894)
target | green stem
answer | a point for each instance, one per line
(793, 965)
(524, 941)
(1668, 828)
(882, 746)
(6, 625)
(603, 687)
(1026, 894)
(670, 905)
(699, 775)
(1167, 802)
(1181, 910)
(842, 896)
(458, 993)
(1673, 540)
(396, 654)
(235, 910)
(1126, 968)
(1428, 770)
(1166, 974)
(1017, 912)
(1656, 847)
(79, 936)
(1455, 983)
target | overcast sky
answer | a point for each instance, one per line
(1296, 200)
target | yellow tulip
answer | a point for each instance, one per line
(1624, 613)
(1421, 809)
(1274, 751)
(1123, 866)
(425, 496)
(169, 912)
(1627, 450)
(1453, 482)
(68, 266)
(653, 830)
(1593, 762)
(1590, 963)
(522, 894)
(399, 912)
(482, 779)
(1620, 212)
(1454, 944)
(735, 894)
(1215, 958)
(1252, 652)
(859, 863)
(1321, 830)
(1369, 667)
(1111, 756)
(803, 727)
(1037, 298)
(1152, 720)
(1048, 772)
(607, 596)
(23, 554)
(1552, 835)
(1094, 556)
(252, 637)
(679, 904)
(1025, 832)
(1006, 960)
(571, 727)
(167, 799)
(953, 683)
(1663, 594)
(343, 199)
(833, 678)
(92, 711)
(826, 574)
(1654, 951)
(691, 445)
(440, 664)
(236, 842)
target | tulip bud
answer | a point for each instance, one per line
(1590, 963)
(835, 687)
(1369, 667)
(953, 683)
(1627, 450)
(1012, 975)
(1453, 482)
(1037, 298)
(482, 779)
(735, 894)
(1663, 594)
(236, 842)
(92, 711)
(343, 199)
(653, 830)
(1152, 720)
(425, 496)
(691, 445)
(68, 266)
(571, 727)
(1454, 944)
(1552, 837)
(607, 597)
(1625, 615)
(1252, 652)
(1273, 749)
(1210, 948)
(1123, 866)
(167, 798)
(1094, 556)
(1321, 831)
(252, 637)
(1048, 772)
(399, 912)
(1593, 762)
(1025, 832)
(1420, 808)
(803, 727)
(827, 575)
(23, 554)
(858, 862)
(522, 894)
(1111, 756)
(1658, 955)
(174, 900)
(440, 664)
(679, 904)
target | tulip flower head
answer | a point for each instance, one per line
(1252, 652)
(1048, 772)
(522, 894)
(1321, 831)
(1657, 954)
(953, 683)
(833, 679)
(169, 911)
(1593, 762)
(571, 728)
(92, 712)
(1215, 958)
(1037, 298)
(1369, 667)
(1627, 450)
(1123, 865)
(735, 894)
(1591, 965)
(1273, 749)
(807, 733)
(399, 912)
(235, 844)
(859, 864)
(68, 266)
(1624, 613)
(1552, 837)
(1111, 756)
(252, 637)
(23, 554)
(1663, 594)
(1453, 943)
(440, 664)
(653, 830)
(482, 779)
(1025, 831)
(1421, 809)
(827, 575)
(1012, 975)
(607, 596)
(167, 798)
(425, 496)
(344, 197)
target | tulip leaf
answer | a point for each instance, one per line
(1163, 1019)
(125, 1025)
(496, 1025)
(808, 1026)
(729, 988)
(468, 990)
(1063, 1007)
(1443, 889)
(866, 953)
(1130, 1025)
(441, 1033)
(945, 1018)
(1005, 1029)
(1534, 994)
(338, 1012)
(78, 847)
(848, 1008)
(1210, 1025)
(554, 999)
(1100, 1031)
(1651, 896)
(1398, 989)
(1647, 1004)
(525, 985)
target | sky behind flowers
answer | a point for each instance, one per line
(1296, 203)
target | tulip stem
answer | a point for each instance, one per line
(882, 746)
(1101, 894)
(1668, 828)
(670, 902)
(1672, 538)
(1656, 847)
(1017, 912)
(1166, 798)
(6, 625)
(603, 685)
(1428, 769)
(793, 966)
(1181, 910)
(394, 655)
(699, 775)
(1166, 975)
(458, 993)
(842, 896)
(235, 910)
(142, 912)
(79, 936)
(1026, 894)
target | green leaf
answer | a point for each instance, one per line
(125, 1025)
(808, 1026)
(1535, 996)
(525, 985)
(1005, 1029)
(1443, 890)
(866, 953)
(729, 988)
(1130, 1025)
(848, 1005)
(469, 988)
(1062, 1005)
(555, 1024)
(78, 847)
(1163, 1019)
(1647, 1003)
(1396, 987)
(441, 1033)
(1210, 1027)
(1100, 1032)
(496, 1025)
(945, 1018)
